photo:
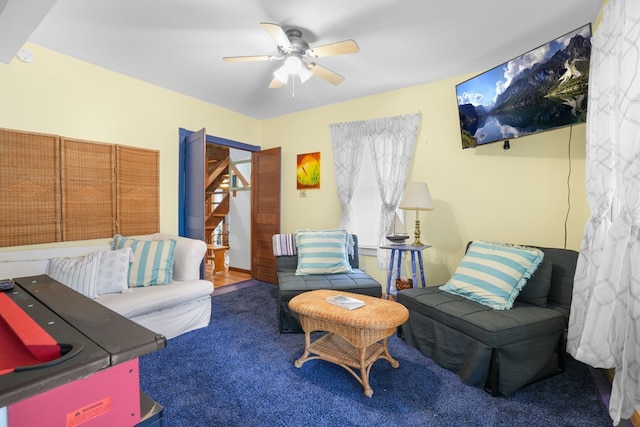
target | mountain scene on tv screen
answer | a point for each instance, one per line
(549, 94)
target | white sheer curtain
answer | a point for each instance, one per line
(604, 324)
(347, 140)
(392, 141)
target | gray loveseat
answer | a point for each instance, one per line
(290, 285)
(498, 350)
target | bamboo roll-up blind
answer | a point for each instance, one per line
(88, 189)
(138, 190)
(56, 189)
(29, 188)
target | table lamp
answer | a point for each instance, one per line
(416, 196)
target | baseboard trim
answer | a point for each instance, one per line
(240, 270)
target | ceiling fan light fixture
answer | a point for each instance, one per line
(293, 66)
(293, 49)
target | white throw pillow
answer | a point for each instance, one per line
(113, 271)
(78, 273)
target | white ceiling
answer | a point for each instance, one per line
(179, 44)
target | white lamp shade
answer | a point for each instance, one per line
(416, 197)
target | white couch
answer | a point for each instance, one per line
(171, 310)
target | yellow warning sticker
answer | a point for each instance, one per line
(89, 412)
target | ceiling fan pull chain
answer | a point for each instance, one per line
(293, 86)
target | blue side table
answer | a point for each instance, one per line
(398, 250)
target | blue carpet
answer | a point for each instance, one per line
(239, 372)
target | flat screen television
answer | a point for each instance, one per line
(540, 90)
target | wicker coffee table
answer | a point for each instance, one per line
(355, 338)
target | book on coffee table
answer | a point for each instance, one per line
(345, 302)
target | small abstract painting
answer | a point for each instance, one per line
(308, 171)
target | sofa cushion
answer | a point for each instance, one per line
(492, 327)
(188, 255)
(32, 262)
(143, 300)
(536, 290)
(493, 274)
(322, 252)
(290, 284)
(152, 260)
(113, 271)
(78, 273)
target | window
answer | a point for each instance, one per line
(366, 205)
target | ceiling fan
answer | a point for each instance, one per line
(293, 50)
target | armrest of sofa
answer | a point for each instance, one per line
(354, 258)
(188, 256)
(286, 262)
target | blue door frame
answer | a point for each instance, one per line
(184, 181)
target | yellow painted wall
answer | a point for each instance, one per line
(519, 196)
(56, 94)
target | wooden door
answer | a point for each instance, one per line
(194, 171)
(265, 216)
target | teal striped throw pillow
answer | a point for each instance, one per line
(322, 252)
(493, 274)
(152, 260)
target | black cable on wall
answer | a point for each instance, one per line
(566, 219)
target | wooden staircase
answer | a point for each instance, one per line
(217, 195)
